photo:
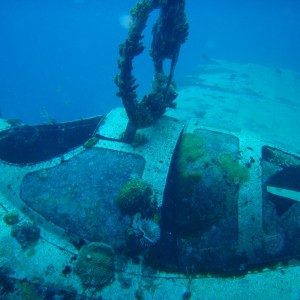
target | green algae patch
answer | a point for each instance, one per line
(11, 217)
(91, 142)
(134, 196)
(237, 173)
(190, 150)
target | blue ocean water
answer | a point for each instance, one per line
(60, 57)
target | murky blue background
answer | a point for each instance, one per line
(60, 57)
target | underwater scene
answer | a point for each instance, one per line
(149, 149)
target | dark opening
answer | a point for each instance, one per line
(26, 144)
